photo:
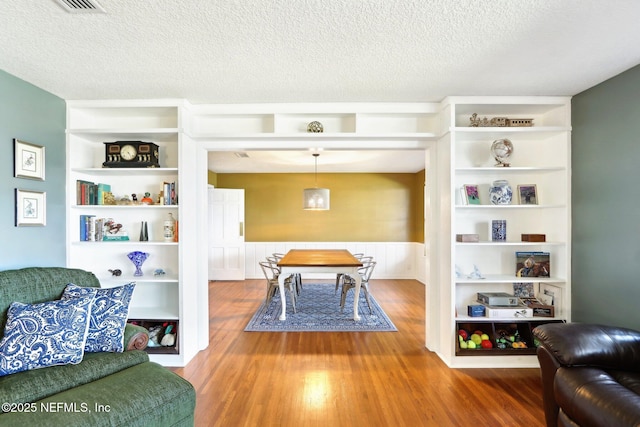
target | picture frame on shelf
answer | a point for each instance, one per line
(550, 294)
(471, 194)
(29, 160)
(31, 208)
(528, 194)
(523, 290)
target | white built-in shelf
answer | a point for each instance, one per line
(110, 207)
(505, 278)
(501, 207)
(315, 136)
(109, 135)
(126, 243)
(156, 313)
(510, 243)
(112, 281)
(89, 125)
(488, 130)
(517, 169)
(541, 157)
(126, 171)
(465, 318)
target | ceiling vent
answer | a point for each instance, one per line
(81, 6)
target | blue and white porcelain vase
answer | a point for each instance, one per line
(499, 230)
(138, 258)
(500, 192)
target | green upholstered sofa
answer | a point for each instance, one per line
(105, 389)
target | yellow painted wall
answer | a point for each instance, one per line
(367, 207)
(212, 178)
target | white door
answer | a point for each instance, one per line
(226, 234)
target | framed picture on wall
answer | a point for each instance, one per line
(31, 208)
(28, 160)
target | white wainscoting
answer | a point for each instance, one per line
(395, 260)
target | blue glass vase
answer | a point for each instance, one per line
(138, 258)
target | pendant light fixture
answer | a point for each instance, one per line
(316, 199)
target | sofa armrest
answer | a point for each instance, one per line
(581, 344)
(135, 337)
(548, 367)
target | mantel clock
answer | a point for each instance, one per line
(130, 154)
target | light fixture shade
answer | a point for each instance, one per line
(315, 199)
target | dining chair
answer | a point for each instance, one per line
(297, 277)
(271, 273)
(349, 282)
(360, 257)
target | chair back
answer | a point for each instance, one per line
(273, 261)
(368, 270)
(270, 273)
(365, 259)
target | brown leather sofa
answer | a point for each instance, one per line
(590, 374)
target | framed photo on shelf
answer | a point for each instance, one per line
(471, 194)
(31, 208)
(528, 194)
(28, 160)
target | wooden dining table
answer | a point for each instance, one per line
(338, 261)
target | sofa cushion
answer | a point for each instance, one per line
(109, 313)
(146, 394)
(581, 344)
(45, 334)
(595, 397)
(38, 284)
(30, 386)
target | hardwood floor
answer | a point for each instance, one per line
(346, 379)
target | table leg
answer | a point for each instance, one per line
(356, 294)
(281, 279)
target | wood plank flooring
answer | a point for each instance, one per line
(346, 379)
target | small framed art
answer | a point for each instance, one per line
(471, 194)
(31, 208)
(528, 194)
(28, 160)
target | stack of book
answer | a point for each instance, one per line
(94, 229)
(90, 193)
(169, 196)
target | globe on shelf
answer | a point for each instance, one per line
(315, 127)
(502, 149)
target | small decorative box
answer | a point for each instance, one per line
(475, 310)
(533, 237)
(467, 238)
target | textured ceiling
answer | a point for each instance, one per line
(251, 51)
(319, 50)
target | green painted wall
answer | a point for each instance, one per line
(606, 202)
(366, 207)
(33, 115)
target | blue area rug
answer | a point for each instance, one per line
(318, 310)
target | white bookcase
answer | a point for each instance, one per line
(357, 122)
(157, 298)
(542, 157)
(455, 154)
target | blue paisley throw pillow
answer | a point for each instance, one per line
(45, 334)
(109, 314)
